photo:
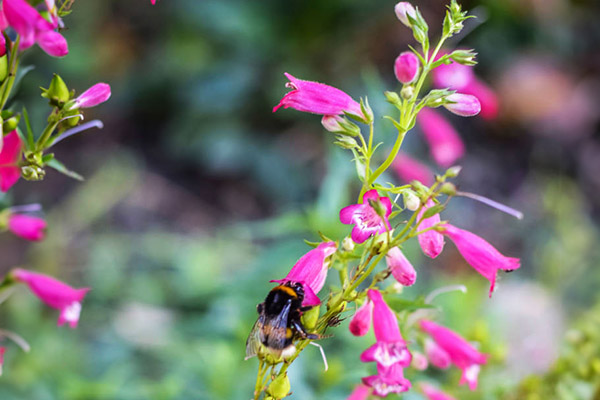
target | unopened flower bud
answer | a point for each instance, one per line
(419, 361)
(310, 317)
(332, 123)
(453, 172)
(403, 9)
(411, 201)
(3, 67)
(393, 98)
(407, 92)
(464, 57)
(346, 142)
(348, 244)
(361, 321)
(464, 105)
(400, 267)
(58, 90)
(11, 124)
(32, 173)
(448, 189)
(406, 67)
(280, 387)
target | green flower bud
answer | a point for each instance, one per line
(346, 142)
(310, 317)
(453, 172)
(348, 244)
(407, 92)
(58, 90)
(411, 200)
(10, 124)
(280, 387)
(448, 189)
(32, 173)
(464, 57)
(393, 98)
(3, 68)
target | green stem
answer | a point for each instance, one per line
(260, 379)
(12, 73)
(45, 136)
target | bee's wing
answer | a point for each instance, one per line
(254, 338)
(275, 329)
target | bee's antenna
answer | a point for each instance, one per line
(322, 354)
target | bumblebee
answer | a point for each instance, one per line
(278, 323)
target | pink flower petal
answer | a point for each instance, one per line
(431, 242)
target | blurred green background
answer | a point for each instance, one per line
(196, 195)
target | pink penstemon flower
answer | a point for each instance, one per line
(361, 321)
(400, 267)
(444, 142)
(462, 354)
(462, 104)
(480, 254)
(10, 172)
(431, 242)
(311, 271)
(406, 67)
(27, 227)
(433, 393)
(95, 95)
(410, 169)
(318, 98)
(365, 217)
(55, 294)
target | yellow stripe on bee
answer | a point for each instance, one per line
(287, 290)
(288, 333)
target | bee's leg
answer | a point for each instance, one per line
(306, 308)
(302, 332)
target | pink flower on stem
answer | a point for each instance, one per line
(361, 321)
(318, 98)
(436, 355)
(462, 104)
(431, 242)
(33, 28)
(409, 169)
(433, 393)
(365, 217)
(400, 267)
(388, 380)
(55, 294)
(480, 254)
(444, 142)
(10, 172)
(390, 348)
(361, 392)
(462, 354)
(311, 271)
(406, 67)
(95, 95)
(27, 227)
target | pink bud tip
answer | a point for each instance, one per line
(403, 9)
(27, 227)
(406, 67)
(465, 105)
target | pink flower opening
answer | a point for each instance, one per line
(311, 271)
(406, 67)
(410, 169)
(400, 267)
(317, 98)
(10, 172)
(366, 220)
(431, 242)
(433, 393)
(95, 95)
(445, 145)
(27, 227)
(361, 321)
(462, 354)
(479, 254)
(388, 380)
(55, 294)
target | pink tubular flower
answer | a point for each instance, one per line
(390, 348)
(55, 294)
(311, 271)
(27, 227)
(403, 9)
(436, 355)
(361, 321)
(95, 95)
(400, 267)
(317, 98)
(433, 393)
(2, 350)
(462, 354)
(431, 242)
(464, 105)
(365, 218)
(33, 28)
(361, 392)
(10, 172)
(480, 254)
(444, 142)
(388, 380)
(409, 169)
(419, 361)
(406, 67)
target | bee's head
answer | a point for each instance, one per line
(298, 288)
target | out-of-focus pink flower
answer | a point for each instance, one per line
(390, 348)
(462, 78)
(419, 361)
(153, 2)
(361, 321)
(311, 271)
(462, 104)
(33, 28)
(444, 142)
(406, 67)
(436, 355)
(317, 98)
(409, 169)
(3, 21)
(403, 9)
(2, 350)
(480, 254)
(431, 242)
(10, 172)
(365, 218)
(27, 227)
(462, 354)
(433, 393)
(95, 95)
(361, 392)
(55, 294)
(388, 380)
(400, 267)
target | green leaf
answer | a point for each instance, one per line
(401, 304)
(431, 211)
(60, 167)
(30, 140)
